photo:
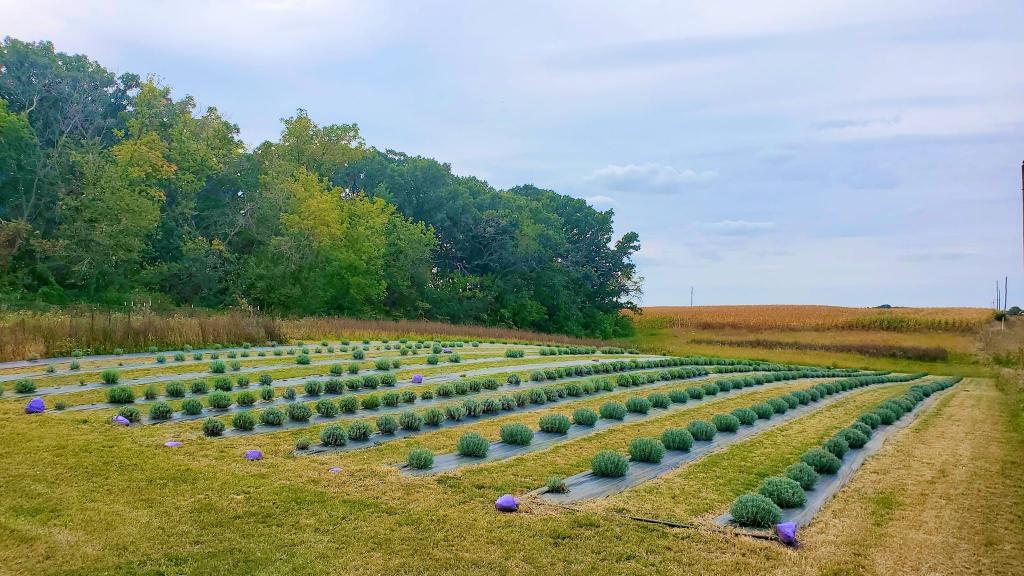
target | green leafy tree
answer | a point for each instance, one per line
(19, 156)
(67, 100)
(329, 254)
(110, 186)
(107, 225)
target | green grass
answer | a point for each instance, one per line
(237, 524)
(84, 497)
(883, 505)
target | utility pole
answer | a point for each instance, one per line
(691, 295)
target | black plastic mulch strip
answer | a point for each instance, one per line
(829, 484)
(587, 485)
(541, 440)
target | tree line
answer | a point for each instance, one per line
(112, 190)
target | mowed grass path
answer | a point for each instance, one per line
(945, 497)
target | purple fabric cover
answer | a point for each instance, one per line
(253, 455)
(507, 503)
(35, 406)
(121, 421)
(417, 379)
(446, 350)
(787, 533)
(172, 444)
(334, 470)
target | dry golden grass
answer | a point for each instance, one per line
(28, 335)
(946, 496)
(788, 317)
(325, 327)
(1003, 342)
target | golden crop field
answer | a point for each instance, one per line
(946, 340)
(792, 317)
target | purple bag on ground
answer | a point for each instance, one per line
(446, 350)
(334, 470)
(507, 503)
(253, 455)
(121, 420)
(417, 379)
(172, 444)
(35, 406)
(786, 533)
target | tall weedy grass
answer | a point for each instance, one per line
(28, 335)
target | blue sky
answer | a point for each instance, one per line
(852, 153)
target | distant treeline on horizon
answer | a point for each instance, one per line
(111, 190)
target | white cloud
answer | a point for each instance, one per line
(244, 33)
(946, 120)
(738, 227)
(650, 177)
(600, 199)
(937, 256)
(662, 251)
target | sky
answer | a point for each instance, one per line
(799, 151)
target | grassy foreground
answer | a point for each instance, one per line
(944, 496)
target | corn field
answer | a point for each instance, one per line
(784, 317)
